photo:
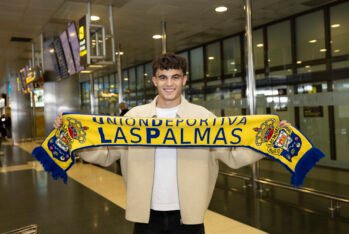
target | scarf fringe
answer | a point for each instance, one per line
(305, 164)
(49, 165)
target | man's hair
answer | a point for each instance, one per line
(170, 61)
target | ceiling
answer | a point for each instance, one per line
(189, 23)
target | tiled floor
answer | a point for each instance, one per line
(91, 202)
(94, 198)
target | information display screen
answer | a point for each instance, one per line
(60, 58)
(74, 44)
(67, 53)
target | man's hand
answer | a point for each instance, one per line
(58, 122)
(284, 123)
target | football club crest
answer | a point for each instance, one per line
(280, 141)
(61, 142)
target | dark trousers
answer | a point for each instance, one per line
(167, 222)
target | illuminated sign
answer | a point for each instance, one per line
(82, 41)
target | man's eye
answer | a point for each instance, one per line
(176, 77)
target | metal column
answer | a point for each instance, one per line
(112, 33)
(163, 37)
(33, 98)
(92, 95)
(251, 101)
(250, 78)
(118, 64)
(118, 57)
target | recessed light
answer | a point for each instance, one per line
(211, 58)
(308, 66)
(121, 53)
(323, 50)
(260, 45)
(157, 36)
(125, 78)
(221, 9)
(86, 71)
(51, 51)
(335, 25)
(232, 63)
(94, 18)
(336, 51)
(313, 41)
(299, 62)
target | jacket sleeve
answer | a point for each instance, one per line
(236, 157)
(103, 156)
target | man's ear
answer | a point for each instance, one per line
(185, 79)
(154, 81)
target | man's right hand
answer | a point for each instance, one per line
(58, 122)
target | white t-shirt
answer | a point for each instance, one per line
(165, 188)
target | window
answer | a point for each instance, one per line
(232, 55)
(132, 79)
(310, 36)
(340, 29)
(279, 44)
(148, 75)
(258, 48)
(185, 55)
(213, 60)
(196, 64)
(140, 79)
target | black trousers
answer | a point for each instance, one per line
(167, 222)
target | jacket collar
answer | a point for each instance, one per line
(181, 108)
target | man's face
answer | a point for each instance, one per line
(169, 84)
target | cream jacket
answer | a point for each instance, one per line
(197, 168)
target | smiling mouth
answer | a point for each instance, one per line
(169, 90)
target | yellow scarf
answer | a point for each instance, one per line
(257, 132)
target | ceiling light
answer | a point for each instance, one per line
(221, 9)
(94, 18)
(336, 51)
(312, 41)
(157, 36)
(260, 45)
(96, 66)
(86, 71)
(232, 63)
(125, 78)
(335, 25)
(121, 53)
(211, 58)
(308, 66)
(323, 50)
(51, 51)
(145, 74)
(299, 62)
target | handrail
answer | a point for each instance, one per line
(285, 186)
(303, 190)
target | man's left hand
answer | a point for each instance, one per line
(284, 123)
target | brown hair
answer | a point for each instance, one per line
(170, 61)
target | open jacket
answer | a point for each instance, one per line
(197, 168)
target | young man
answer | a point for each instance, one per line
(169, 189)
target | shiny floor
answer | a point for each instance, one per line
(93, 201)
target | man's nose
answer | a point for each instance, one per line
(169, 81)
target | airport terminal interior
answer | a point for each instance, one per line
(88, 56)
